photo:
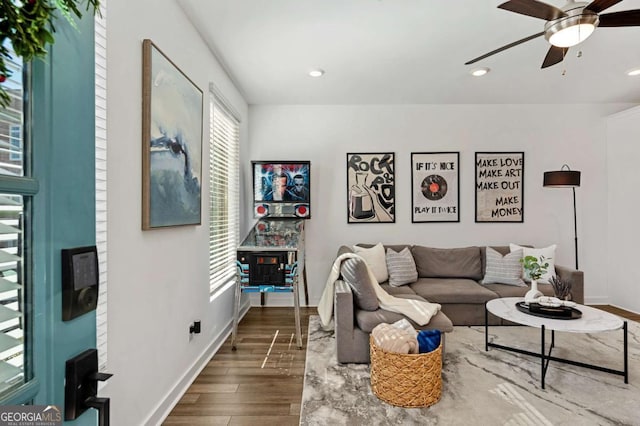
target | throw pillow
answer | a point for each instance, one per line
(549, 254)
(503, 269)
(376, 260)
(401, 267)
(356, 274)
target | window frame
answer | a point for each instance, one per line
(27, 187)
(224, 141)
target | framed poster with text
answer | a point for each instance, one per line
(371, 188)
(499, 186)
(435, 187)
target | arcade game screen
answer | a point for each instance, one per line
(282, 189)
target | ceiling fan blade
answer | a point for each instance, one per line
(598, 6)
(500, 49)
(554, 55)
(626, 18)
(533, 8)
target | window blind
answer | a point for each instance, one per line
(101, 178)
(224, 182)
(12, 236)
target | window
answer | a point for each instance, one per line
(15, 138)
(224, 185)
(15, 200)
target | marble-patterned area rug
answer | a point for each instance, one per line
(485, 388)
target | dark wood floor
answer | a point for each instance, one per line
(619, 312)
(258, 384)
(261, 382)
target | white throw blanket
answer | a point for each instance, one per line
(417, 310)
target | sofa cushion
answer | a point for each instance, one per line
(549, 254)
(452, 290)
(504, 290)
(394, 291)
(376, 259)
(503, 269)
(356, 274)
(401, 267)
(367, 320)
(395, 247)
(448, 263)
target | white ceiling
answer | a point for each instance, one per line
(408, 52)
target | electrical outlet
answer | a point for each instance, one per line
(194, 328)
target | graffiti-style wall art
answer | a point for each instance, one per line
(435, 187)
(371, 188)
(499, 186)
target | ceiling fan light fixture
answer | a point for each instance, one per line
(479, 72)
(571, 30)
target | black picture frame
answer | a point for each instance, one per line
(435, 187)
(499, 187)
(371, 187)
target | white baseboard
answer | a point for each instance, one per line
(164, 407)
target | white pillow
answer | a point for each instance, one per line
(549, 254)
(375, 259)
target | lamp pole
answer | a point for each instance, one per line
(575, 225)
(566, 178)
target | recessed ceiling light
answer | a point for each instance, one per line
(480, 72)
(316, 73)
(634, 72)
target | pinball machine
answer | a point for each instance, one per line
(270, 259)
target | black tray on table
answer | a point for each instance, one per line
(553, 312)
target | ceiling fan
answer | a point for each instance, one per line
(566, 26)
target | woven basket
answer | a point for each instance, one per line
(406, 380)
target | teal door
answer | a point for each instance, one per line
(59, 209)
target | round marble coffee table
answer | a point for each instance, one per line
(592, 321)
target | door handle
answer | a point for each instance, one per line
(81, 387)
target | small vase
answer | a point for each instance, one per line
(534, 293)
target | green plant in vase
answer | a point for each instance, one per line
(534, 268)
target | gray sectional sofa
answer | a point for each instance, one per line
(450, 277)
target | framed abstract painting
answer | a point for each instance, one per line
(171, 143)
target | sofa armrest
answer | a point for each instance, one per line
(343, 309)
(577, 282)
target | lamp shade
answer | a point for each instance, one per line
(562, 178)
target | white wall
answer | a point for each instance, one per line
(623, 152)
(158, 280)
(550, 135)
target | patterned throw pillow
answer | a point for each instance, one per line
(503, 270)
(374, 257)
(401, 267)
(549, 254)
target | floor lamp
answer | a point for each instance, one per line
(566, 178)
